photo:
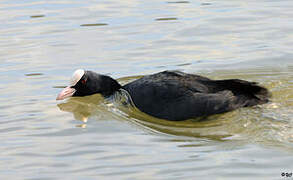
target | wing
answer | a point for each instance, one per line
(183, 104)
(166, 97)
(193, 105)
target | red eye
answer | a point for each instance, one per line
(83, 81)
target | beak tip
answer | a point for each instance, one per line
(59, 98)
(65, 93)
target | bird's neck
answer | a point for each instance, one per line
(110, 86)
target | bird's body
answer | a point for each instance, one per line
(174, 95)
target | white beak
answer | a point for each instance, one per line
(65, 93)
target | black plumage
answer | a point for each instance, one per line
(176, 95)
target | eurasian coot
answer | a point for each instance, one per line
(172, 95)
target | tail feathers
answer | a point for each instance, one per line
(250, 92)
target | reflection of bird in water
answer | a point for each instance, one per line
(75, 109)
(96, 105)
(81, 108)
(172, 95)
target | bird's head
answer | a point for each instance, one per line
(84, 83)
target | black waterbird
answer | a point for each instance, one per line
(172, 95)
